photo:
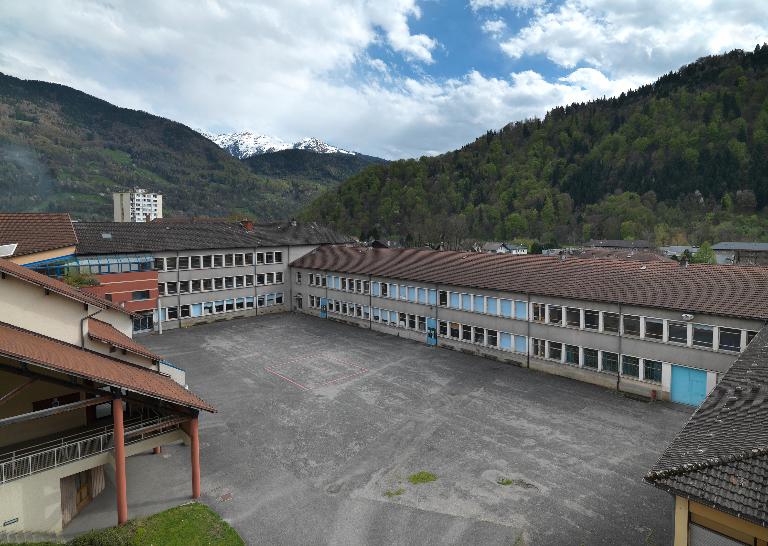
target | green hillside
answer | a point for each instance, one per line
(64, 150)
(682, 159)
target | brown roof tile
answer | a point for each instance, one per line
(739, 291)
(69, 359)
(36, 231)
(55, 285)
(106, 333)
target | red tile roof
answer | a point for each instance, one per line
(55, 285)
(106, 333)
(36, 231)
(58, 356)
(726, 290)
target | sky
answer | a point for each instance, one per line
(390, 78)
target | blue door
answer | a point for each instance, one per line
(431, 331)
(689, 385)
(323, 308)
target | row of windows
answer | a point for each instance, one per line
(664, 330)
(218, 283)
(221, 306)
(208, 261)
(601, 361)
(482, 336)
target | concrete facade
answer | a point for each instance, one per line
(137, 206)
(635, 356)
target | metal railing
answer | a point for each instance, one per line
(29, 460)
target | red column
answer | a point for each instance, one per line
(119, 441)
(157, 450)
(195, 452)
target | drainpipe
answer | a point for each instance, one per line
(528, 329)
(370, 300)
(255, 286)
(178, 290)
(621, 334)
(437, 312)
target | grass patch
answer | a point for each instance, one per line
(193, 524)
(518, 483)
(394, 492)
(422, 477)
(505, 481)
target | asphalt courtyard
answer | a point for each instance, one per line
(320, 425)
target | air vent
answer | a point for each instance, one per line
(106, 235)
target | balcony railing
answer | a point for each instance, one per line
(40, 457)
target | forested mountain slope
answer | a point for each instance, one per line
(682, 159)
(64, 150)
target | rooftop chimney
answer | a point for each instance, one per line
(247, 224)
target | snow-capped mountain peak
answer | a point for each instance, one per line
(245, 144)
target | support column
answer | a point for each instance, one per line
(157, 450)
(119, 442)
(194, 448)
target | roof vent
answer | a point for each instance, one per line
(106, 235)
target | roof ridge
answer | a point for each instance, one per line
(712, 462)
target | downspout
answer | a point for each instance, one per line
(621, 334)
(178, 290)
(437, 312)
(255, 286)
(370, 300)
(528, 329)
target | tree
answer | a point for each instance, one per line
(705, 255)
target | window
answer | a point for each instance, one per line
(555, 350)
(270, 279)
(239, 281)
(412, 322)
(240, 303)
(207, 284)
(730, 339)
(652, 370)
(160, 289)
(442, 298)
(196, 262)
(384, 290)
(630, 366)
(229, 282)
(230, 305)
(173, 313)
(343, 283)
(249, 258)
(750, 336)
(184, 287)
(631, 325)
(572, 355)
(590, 358)
(422, 324)
(249, 302)
(269, 257)
(479, 335)
(592, 320)
(196, 284)
(491, 304)
(159, 264)
(493, 338)
(505, 341)
(170, 264)
(208, 308)
(573, 317)
(249, 280)
(184, 311)
(207, 261)
(359, 286)
(279, 278)
(611, 322)
(402, 318)
(506, 308)
(432, 296)
(466, 333)
(703, 335)
(183, 262)
(538, 347)
(108, 297)
(455, 330)
(610, 361)
(278, 257)
(239, 260)
(478, 304)
(538, 312)
(520, 345)
(411, 294)
(218, 260)
(654, 328)
(443, 328)
(555, 314)
(678, 332)
(521, 310)
(171, 288)
(218, 283)
(259, 258)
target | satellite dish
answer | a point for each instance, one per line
(7, 250)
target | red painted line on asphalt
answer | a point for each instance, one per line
(281, 376)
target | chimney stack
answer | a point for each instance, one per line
(247, 224)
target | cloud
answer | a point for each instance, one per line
(499, 4)
(494, 27)
(635, 37)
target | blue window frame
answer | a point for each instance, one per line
(455, 300)
(521, 310)
(337, 283)
(520, 345)
(393, 291)
(432, 296)
(411, 294)
(466, 302)
(505, 340)
(506, 308)
(423, 295)
(479, 304)
(375, 288)
(491, 303)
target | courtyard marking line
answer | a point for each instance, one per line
(281, 376)
(302, 359)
